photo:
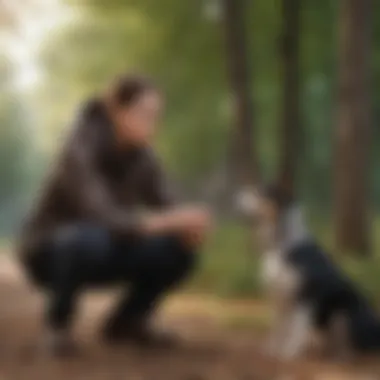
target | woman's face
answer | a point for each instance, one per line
(137, 122)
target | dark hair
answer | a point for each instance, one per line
(127, 88)
(122, 92)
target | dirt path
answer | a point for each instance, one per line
(219, 343)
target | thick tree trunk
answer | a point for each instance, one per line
(353, 128)
(290, 117)
(243, 162)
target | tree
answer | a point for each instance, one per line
(290, 117)
(244, 166)
(353, 128)
(168, 40)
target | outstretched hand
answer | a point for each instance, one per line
(191, 222)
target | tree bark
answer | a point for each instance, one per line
(290, 117)
(351, 175)
(243, 161)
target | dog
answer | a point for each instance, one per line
(308, 291)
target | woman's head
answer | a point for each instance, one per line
(135, 105)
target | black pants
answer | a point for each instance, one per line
(86, 256)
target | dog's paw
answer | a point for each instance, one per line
(290, 354)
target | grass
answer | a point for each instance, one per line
(228, 266)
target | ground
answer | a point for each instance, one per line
(220, 342)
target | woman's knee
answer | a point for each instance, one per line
(179, 245)
(180, 259)
(80, 239)
(74, 252)
(163, 260)
(80, 235)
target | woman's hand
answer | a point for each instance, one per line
(194, 238)
(190, 221)
(195, 234)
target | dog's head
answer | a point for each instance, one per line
(268, 208)
(264, 203)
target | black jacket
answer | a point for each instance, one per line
(95, 180)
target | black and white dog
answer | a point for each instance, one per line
(308, 291)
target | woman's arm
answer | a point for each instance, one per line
(157, 191)
(85, 182)
(90, 192)
(191, 221)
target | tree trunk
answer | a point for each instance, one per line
(290, 117)
(351, 175)
(243, 162)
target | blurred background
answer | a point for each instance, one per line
(256, 91)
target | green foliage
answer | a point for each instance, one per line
(184, 51)
(169, 40)
(16, 144)
(228, 266)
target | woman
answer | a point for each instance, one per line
(106, 216)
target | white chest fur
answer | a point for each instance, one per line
(278, 277)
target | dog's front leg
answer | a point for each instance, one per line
(282, 308)
(298, 330)
(277, 333)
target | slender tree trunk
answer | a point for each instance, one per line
(290, 117)
(243, 162)
(353, 128)
(242, 165)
